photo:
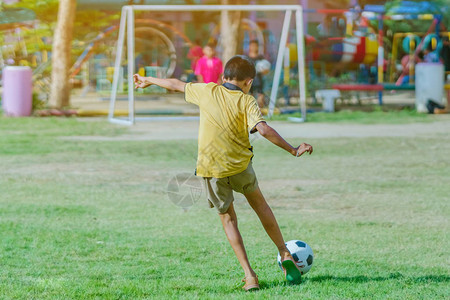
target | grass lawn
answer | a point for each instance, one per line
(92, 219)
(376, 116)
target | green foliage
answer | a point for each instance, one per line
(37, 103)
(88, 24)
(46, 10)
(416, 25)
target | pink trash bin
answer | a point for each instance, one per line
(17, 91)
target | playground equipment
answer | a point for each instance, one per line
(412, 11)
(410, 42)
(127, 22)
(156, 45)
(356, 47)
(346, 50)
(90, 49)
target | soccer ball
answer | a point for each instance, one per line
(262, 66)
(302, 254)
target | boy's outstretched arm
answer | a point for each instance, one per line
(167, 83)
(273, 136)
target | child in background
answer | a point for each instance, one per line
(194, 54)
(258, 82)
(209, 67)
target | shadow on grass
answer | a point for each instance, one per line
(360, 279)
(364, 278)
(264, 284)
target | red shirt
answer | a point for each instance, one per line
(209, 68)
(195, 53)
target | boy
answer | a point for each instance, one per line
(225, 153)
(258, 81)
(209, 67)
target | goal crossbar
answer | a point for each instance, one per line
(127, 24)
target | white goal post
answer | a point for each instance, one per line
(127, 23)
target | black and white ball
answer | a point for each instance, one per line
(262, 66)
(302, 254)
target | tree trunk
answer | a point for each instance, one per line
(229, 30)
(62, 42)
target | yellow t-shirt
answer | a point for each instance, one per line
(226, 116)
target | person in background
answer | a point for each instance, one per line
(209, 68)
(405, 63)
(194, 54)
(430, 56)
(258, 82)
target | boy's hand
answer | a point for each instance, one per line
(302, 149)
(140, 82)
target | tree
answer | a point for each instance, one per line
(61, 55)
(229, 30)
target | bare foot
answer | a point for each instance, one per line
(285, 254)
(251, 274)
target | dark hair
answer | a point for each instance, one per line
(239, 68)
(254, 42)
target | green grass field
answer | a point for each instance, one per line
(376, 116)
(91, 219)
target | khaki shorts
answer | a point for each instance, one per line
(220, 190)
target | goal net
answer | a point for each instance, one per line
(127, 31)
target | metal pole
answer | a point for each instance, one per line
(305, 17)
(214, 7)
(120, 40)
(276, 77)
(301, 60)
(412, 44)
(130, 57)
(394, 56)
(380, 57)
(128, 12)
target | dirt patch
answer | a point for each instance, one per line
(188, 130)
(86, 173)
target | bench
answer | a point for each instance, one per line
(358, 87)
(375, 88)
(361, 87)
